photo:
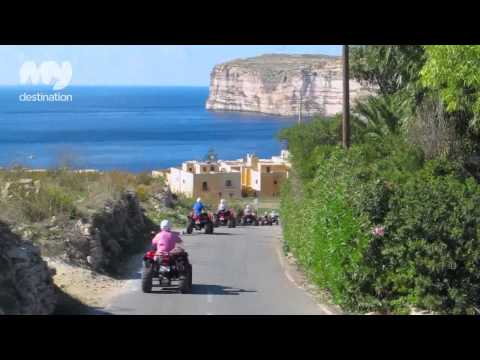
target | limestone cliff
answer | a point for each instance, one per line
(276, 84)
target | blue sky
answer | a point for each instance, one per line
(162, 65)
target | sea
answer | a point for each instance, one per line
(133, 129)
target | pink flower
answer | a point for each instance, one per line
(378, 231)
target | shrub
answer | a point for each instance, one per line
(143, 193)
(50, 201)
(431, 250)
(144, 179)
(384, 230)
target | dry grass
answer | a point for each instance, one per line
(31, 197)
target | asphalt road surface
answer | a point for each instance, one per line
(235, 272)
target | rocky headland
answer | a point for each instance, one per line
(277, 84)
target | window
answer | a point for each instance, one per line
(204, 169)
(220, 194)
(231, 195)
(190, 169)
(275, 182)
(212, 168)
(228, 183)
(204, 186)
(268, 169)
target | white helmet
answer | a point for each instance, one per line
(199, 200)
(222, 201)
(165, 225)
(248, 206)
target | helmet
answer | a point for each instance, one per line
(248, 206)
(222, 201)
(199, 200)
(266, 213)
(165, 225)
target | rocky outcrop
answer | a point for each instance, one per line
(100, 241)
(164, 200)
(26, 285)
(277, 84)
(109, 236)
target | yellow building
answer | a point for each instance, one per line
(229, 178)
(261, 177)
(203, 179)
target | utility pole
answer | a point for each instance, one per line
(346, 100)
(300, 108)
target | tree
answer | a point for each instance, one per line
(394, 71)
(390, 68)
(382, 115)
(454, 71)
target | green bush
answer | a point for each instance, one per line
(431, 250)
(429, 254)
(321, 228)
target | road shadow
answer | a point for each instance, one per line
(159, 290)
(69, 305)
(202, 289)
(214, 233)
(207, 289)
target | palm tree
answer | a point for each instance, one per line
(382, 115)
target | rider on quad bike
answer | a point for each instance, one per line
(249, 216)
(166, 240)
(166, 261)
(266, 219)
(224, 216)
(198, 207)
(274, 217)
(204, 220)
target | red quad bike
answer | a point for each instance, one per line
(203, 221)
(225, 217)
(249, 220)
(165, 269)
(266, 220)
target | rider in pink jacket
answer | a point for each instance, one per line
(166, 240)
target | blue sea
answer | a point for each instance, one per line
(127, 128)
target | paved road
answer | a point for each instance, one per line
(235, 272)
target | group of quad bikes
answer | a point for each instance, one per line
(174, 270)
(208, 221)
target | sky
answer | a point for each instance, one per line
(154, 65)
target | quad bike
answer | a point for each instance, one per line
(167, 268)
(250, 219)
(266, 220)
(202, 221)
(225, 217)
(275, 219)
